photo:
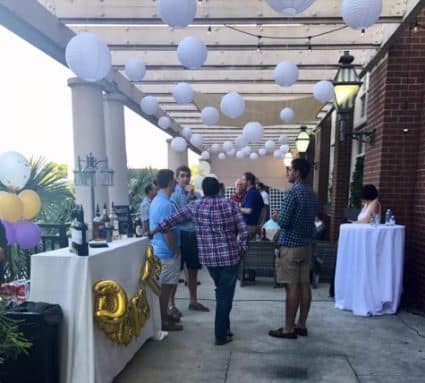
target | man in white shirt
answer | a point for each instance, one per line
(150, 191)
(262, 189)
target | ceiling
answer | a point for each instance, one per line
(132, 28)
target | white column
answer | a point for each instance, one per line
(175, 159)
(116, 147)
(89, 136)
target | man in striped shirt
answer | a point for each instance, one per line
(221, 234)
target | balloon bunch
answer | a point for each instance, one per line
(17, 209)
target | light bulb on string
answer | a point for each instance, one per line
(363, 32)
(259, 44)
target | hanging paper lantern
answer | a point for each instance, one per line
(269, 145)
(31, 203)
(88, 57)
(15, 170)
(253, 156)
(253, 131)
(205, 155)
(210, 115)
(192, 52)
(240, 154)
(241, 141)
(28, 234)
(232, 105)
(246, 150)
(149, 105)
(187, 133)
(284, 148)
(164, 122)
(227, 146)
(204, 168)
(231, 152)
(278, 154)
(323, 91)
(287, 115)
(286, 73)
(221, 156)
(183, 93)
(196, 140)
(178, 144)
(215, 148)
(290, 8)
(283, 139)
(361, 14)
(177, 14)
(262, 152)
(135, 69)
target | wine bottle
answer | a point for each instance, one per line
(130, 227)
(97, 225)
(79, 244)
(107, 223)
(114, 223)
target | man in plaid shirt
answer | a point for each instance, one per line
(221, 234)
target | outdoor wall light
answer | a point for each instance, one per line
(303, 140)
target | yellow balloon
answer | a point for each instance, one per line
(31, 203)
(11, 208)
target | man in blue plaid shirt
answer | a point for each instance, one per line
(296, 221)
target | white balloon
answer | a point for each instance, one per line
(88, 57)
(290, 8)
(177, 14)
(15, 170)
(241, 141)
(361, 14)
(178, 144)
(262, 152)
(284, 148)
(286, 73)
(215, 148)
(231, 153)
(283, 139)
(240, 154)
(287, 115)
(246, 150)
(164, 122)
(221, 156)
(204, 168)
(253, 131)
(253, 156)
(232, 105)
(269, 145)
(205, 155)
(192, 52)
(183, 93)
(227, 146)
(135, 69)
(149, 105)
(187, 133)
(197, 181)
(323, 91)
(196, 140)
(278, 154)
(210, 115)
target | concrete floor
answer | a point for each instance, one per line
(340, 348)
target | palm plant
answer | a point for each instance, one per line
(137, 181)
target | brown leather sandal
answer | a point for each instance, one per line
(278, 333)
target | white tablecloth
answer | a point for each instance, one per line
(87, 355)
(369, 269)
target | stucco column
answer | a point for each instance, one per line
(89, 136)
(175, 159)
(116, 147)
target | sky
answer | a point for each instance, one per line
(36, 111)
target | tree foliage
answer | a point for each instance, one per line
(138, 179)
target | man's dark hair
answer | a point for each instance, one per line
(250, 177)
(261, 186)
(183, 168)
(148, 188)
(369, 192)
(210, 186)
(302, 166)
(163, 178)
(320, 215)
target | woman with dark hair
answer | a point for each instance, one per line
(370, 204)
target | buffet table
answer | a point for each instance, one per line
(369, 268)
(61, 277)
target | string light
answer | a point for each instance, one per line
(209, 29)
(259, 44)
(363, 32)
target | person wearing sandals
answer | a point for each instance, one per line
(166, 247)
(222, 234)
(296, 221)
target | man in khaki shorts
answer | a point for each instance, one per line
(296, 221)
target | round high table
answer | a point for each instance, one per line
(369, 269)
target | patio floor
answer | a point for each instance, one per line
(340, 347)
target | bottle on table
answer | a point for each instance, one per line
(97, 226)
(138, 227)
(107, 224)
(114, 223)
(130, 227)
(388, 215)
(79, 244)
(392, 220)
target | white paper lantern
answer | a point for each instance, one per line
(149, 105)
(135, 69)
(221, 156)
(287, 115)
(361, 14)
(284, 148)
(240, 154)
(15, 170)
(88, 57)
(231, 153)
(290, 8)
(210, 115)
(177, 14)
(253, 156)
(269, 145)
(262, 152)
(323, 91)
(183, 93)
(196, 140)
(241, 141)
(187, 133)
(178, 144)
(205, 155)
(197, 181)
(278, 154)
(204, 168)
(215, 148)
(253, 131)
(227, 146)
(286, 73)
(232, 105)
(164, 122)
(192, 52)
(246, 150)
(283, 139)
